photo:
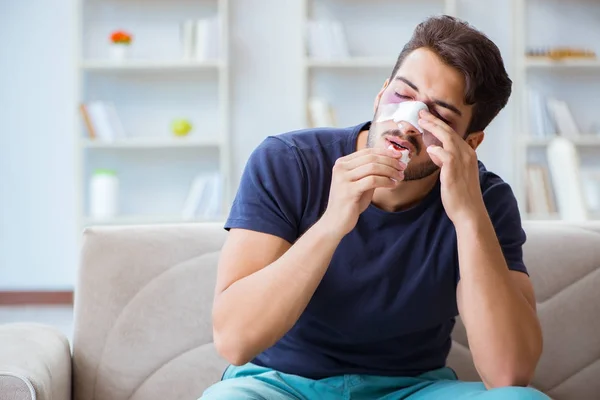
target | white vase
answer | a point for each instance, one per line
(118, 52)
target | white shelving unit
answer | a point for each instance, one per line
(152, 143)
(150, 66)
(540, 24)
(564, 65)
(373, 43)
(149, 89)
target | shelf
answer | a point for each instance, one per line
(146, 220)
(544, 63)
(354, 62)
(149, 65)
(151, 143)
(589, 140)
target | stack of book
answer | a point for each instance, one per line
(540, 197)
(549, 116)
(321, 113)
(204, 198)
(102, 121)
(200, 39)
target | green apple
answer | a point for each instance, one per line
(181, 127)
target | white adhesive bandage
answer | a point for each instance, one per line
(407, 111)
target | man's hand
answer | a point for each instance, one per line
(459, 175)
(355, 178)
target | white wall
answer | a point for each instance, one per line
(38, 234)
(37, 217)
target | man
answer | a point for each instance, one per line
(345, 268)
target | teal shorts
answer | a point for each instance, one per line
(258, 383)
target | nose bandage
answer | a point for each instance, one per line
(407, 111)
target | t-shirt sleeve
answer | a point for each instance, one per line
(504, 214)
(271, 194)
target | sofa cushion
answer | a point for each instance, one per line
(143, 313)
(564, 263)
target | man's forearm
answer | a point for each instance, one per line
(256, 311)
(502, 327)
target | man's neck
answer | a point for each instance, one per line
(406, 194)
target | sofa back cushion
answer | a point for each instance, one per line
(564, 264)
(143, 313)
(144, 297)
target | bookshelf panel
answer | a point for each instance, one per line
(155, 25)
(562, 23)
(148, 104)
(375, 28)
(351, 93)
(152, 182)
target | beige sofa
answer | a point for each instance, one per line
(143, 330)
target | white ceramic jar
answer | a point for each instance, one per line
(104, 194)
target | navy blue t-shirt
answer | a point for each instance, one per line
(387, 303)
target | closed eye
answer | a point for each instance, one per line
(440, 117)
(400, 96)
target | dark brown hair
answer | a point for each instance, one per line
(461, 46)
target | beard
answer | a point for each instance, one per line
(414, 171)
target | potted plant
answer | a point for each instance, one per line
(120, 45)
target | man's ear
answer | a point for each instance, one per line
(378, 97)
(474, 139)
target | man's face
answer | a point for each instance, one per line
(421, 77)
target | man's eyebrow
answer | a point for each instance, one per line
(438, 102)
(409, 83)
(448, 106)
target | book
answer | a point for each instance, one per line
(211, 207)
(539, 191)
(204, 198)
(563, 119)
(187, 33)
(87, 120)
(591, 186)
(102, 121)
(541, 124)
(563, 163)
(320, 113)
(193, 198)
(206, 41)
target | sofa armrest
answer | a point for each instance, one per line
(35, 363)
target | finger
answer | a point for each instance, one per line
(374, 159)
(374, 169)
(438, 128)
(373, 182)
(438, 155)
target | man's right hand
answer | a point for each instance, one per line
(355, 178)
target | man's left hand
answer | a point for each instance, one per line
(459, 175)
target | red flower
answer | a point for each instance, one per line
(120, 37)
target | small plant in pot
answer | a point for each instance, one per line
(120, 43)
